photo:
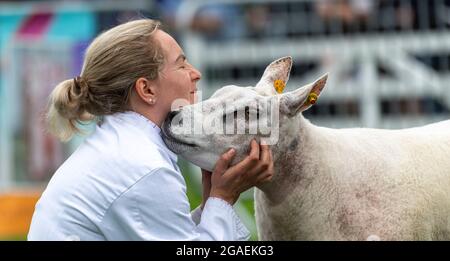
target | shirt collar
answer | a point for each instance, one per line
(152, 130)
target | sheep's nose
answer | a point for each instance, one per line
(172, 115)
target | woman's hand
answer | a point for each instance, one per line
(228, 183)
(206, 182)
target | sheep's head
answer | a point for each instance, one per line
(234, 115)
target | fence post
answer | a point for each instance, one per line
(370, 104)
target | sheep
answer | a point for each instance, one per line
(329, 184)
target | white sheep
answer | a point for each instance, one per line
(329, 184)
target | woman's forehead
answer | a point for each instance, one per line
(170, 47)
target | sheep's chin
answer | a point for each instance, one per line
(203, 159)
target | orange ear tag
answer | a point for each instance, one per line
(279, 85)
(312, 98)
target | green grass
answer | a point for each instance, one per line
(14, 238)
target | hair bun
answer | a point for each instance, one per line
(81, 87)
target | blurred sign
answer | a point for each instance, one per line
(41, 47)
(16, 210)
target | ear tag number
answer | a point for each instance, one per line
(312, 98)
(279, 85)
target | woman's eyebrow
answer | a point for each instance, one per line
(181, 57)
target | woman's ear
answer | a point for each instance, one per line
(146, 90)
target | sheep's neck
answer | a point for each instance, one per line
(293, 156)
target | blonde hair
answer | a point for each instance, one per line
(113, 62)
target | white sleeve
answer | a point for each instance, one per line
(196, 215)
(157, 208)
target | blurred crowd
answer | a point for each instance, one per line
(305, 18)
(218, 21)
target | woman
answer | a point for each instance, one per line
(123, 183)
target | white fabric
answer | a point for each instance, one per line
(123, 183)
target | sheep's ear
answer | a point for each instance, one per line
(303, 98)
(276, 73)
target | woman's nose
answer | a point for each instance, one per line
(196, 75)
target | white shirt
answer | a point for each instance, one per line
(123, 183)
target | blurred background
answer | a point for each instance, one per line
(389, 64)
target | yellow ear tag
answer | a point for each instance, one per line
(312, 98)
(279, 85)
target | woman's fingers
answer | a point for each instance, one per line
(266, 154)
(256, 168)
(264, 163)
(254, 150)
(264, 179)
(249, 162)
(224, 161)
